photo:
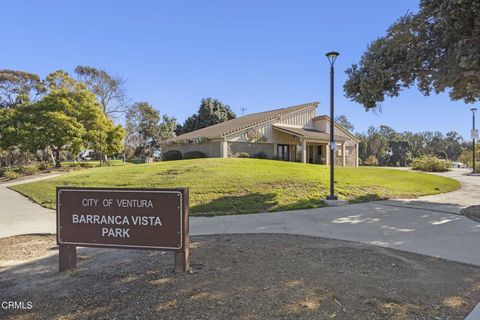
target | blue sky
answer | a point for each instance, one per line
(254, 54)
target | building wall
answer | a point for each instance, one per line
(284, 138)
(210, 148)
(350, 156)
(251, 148)
(237, 142)
(300, 119)
(338, 158)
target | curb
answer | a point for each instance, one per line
(475, 314)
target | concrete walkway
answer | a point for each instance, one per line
(20, 215)
(428, 225)
(439, 234)
(452, 202)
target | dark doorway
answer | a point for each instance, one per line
(283, 152)
(310, 154)
(319, 155)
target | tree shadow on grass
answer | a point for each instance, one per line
(301, 204)
(236, 204)
(367, 198)
(264, 202)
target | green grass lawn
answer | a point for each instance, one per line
(228, 186)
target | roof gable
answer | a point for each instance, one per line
(337, 126)
(231, 126)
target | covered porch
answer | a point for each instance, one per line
(307, 146)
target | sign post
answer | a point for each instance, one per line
(154, 219)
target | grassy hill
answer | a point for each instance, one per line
(228, 186)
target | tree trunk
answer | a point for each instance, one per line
(51, 155)
(57, 158)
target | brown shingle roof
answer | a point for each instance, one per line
(309, 134)
(337, 126)
(228, 127)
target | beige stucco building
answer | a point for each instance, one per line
(291, 134)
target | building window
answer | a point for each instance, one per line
(283, 152)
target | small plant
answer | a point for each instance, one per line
(254, 135)
(431, 164)
(260, 155)
(371, 161)
(136, 161)
(194, 155)
(109, 163)
(10, 175)
(72, 165)
(172, 155)
(44, 166)
(242, 155)
(29, 170)
(86, 164)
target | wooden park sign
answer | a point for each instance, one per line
(155, 219)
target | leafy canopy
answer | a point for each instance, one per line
(18, 88)
(68, 118)
(211, 112)
(146, 129)
(110, 90)
(437, 48)
(344, 122)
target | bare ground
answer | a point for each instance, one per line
(255, 276)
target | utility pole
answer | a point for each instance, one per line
(243, 110)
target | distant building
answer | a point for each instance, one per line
(459, 165)
(291, 134)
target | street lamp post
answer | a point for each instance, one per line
(473, 137)
(332, 56)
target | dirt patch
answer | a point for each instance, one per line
(26, 247)
(257, 276)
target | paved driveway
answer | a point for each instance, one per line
(428, 225)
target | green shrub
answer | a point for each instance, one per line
(45, 166)
(10, 175)
(172, 155)
(109, 163)
(431, 164)
(371, 161)
(87, 164)
(243, 155)
(193, 155)
(29, 170)
(136, 161)
(71, 164)
(260, 155)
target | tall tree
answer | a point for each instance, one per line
(437, 48)
(211, 112)
(68, 118)
(400, 152)
(146, 129)
(453, 142)
(19, 88)
(343, 121)
(110, 90)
